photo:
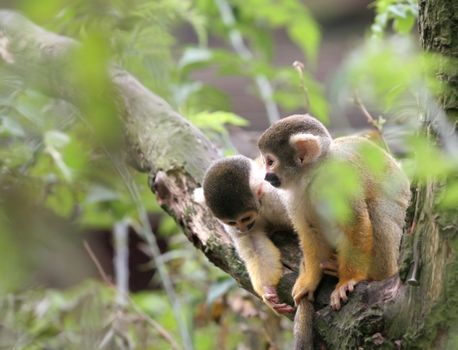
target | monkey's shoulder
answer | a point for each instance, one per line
(353, 147)
(273, 212)
(363, 154)
(378, 170)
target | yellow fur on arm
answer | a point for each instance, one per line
(314, 251)
(262, 260)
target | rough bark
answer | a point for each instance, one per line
(438, 23)
(390, 313)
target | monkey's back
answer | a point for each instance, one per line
(386, 190)
(383, 189)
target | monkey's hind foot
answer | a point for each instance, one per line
(340, 293)
(271, 298)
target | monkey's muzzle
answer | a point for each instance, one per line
(242, 228)
(273, 179)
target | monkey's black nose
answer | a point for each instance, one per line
(273, 179)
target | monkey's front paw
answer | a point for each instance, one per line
(303, 288)
(270, 297)
(340, 293)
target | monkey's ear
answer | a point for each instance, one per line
(307, 146)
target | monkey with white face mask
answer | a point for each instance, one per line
(249, 207)
(299, 155)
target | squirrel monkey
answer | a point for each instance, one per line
(237, 194)
(298, 152)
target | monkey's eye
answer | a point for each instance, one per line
(246, 219)
(231, 223)
(269, 161)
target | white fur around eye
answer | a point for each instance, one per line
(271, 162)
(257, 172)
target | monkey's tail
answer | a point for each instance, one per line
(303, 332)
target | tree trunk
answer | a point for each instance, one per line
(438, 23)
(390, 313)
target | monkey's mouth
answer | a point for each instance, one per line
(273, 179)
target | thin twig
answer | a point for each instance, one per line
(121, 260)
(371, 120)
(299, 67)
(157, 326)
(97, 264)
(145, 231)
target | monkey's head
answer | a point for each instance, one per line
(290, 146)
(232, 187)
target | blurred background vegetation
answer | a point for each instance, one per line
(68, 200)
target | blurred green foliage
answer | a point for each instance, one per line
(258, 21)
(214, 125)
(63, 161)
(83, 317)
(394, 78)
(401, 13)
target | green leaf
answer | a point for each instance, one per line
(29, 104)
(402, 13)
(216, 121)
(205, 95)
(374, 159)
(11, 127)
(306, 35)
(151, 303)
(76, 155)
(61, 200)
(10, 249)
(41, 11)
(100, 193)
(428, 161)
(57, 158)
(334, 201)
(182, 92)
(194, 55)
(168, 226)
(404, 25)
(397, 11)
(449, 196)
(319, 104)
(56, 139)
(289, 100)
